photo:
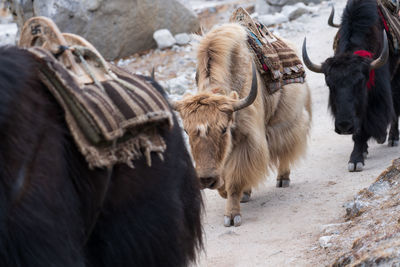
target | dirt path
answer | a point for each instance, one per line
(281, 226)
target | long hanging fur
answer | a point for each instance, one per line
(49, 197)
(271, 131)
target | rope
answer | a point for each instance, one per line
(83, 51)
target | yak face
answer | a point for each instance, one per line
(208, 121)
(347, 77)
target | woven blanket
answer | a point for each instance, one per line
(277, 63)
(390, 18)
(391, 21)
(117, 125)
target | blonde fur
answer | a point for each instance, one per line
(272, 132)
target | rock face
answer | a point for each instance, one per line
(272, 6)
(116, 28)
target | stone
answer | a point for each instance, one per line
(355, 208)
(164, 38)
(182, 38)
(8, 34)
(274, 19)
(117, 28)
(177, 86)
(295, 11)
(325, 241)
(272, 6)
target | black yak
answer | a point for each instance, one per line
(50, 201)
(363, 81)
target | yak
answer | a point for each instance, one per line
(363, 81)
(50, 210)
(237, 130)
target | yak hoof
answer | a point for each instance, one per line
(227, 221)
(237, 220)
(246, 197)
(393, 143)
(355, 167)
(282, 183)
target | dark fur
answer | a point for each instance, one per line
(357, 110)
(150, 217)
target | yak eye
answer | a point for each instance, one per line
(224, 130)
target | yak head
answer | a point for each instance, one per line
(208, 119)
(347, 75)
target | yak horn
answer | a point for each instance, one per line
(383, 58)
(252, 95)
(311, 66)
(330, 20)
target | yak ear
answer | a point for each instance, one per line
(234, 95)
(186, 95)
(175, 105)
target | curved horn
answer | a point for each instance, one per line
(330, 20)
(311, 66)
(383, 58)
(252, 95)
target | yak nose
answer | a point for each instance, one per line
(208, 182)
(344, 127)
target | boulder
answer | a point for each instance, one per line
(273, 6)
(116, 28)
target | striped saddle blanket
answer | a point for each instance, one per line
(277, 63)
(115, 122)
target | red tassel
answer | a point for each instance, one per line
(371, 81)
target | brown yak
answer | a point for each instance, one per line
(237, 131)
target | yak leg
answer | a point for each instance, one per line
(283, 179)
(232, 209)
(394, 133)
(394, 129)
(222, 192)
(356, 163)
(246, 196)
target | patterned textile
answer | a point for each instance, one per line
(277, 62)
(390, 18)
(389, 15)
(116, 125)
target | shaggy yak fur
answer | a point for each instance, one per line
(233, 150)
(49, 198)
(358, 110)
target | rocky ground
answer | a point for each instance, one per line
(369, 234)
(306, 224)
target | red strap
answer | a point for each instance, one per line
(383, 20)
(365, 53)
